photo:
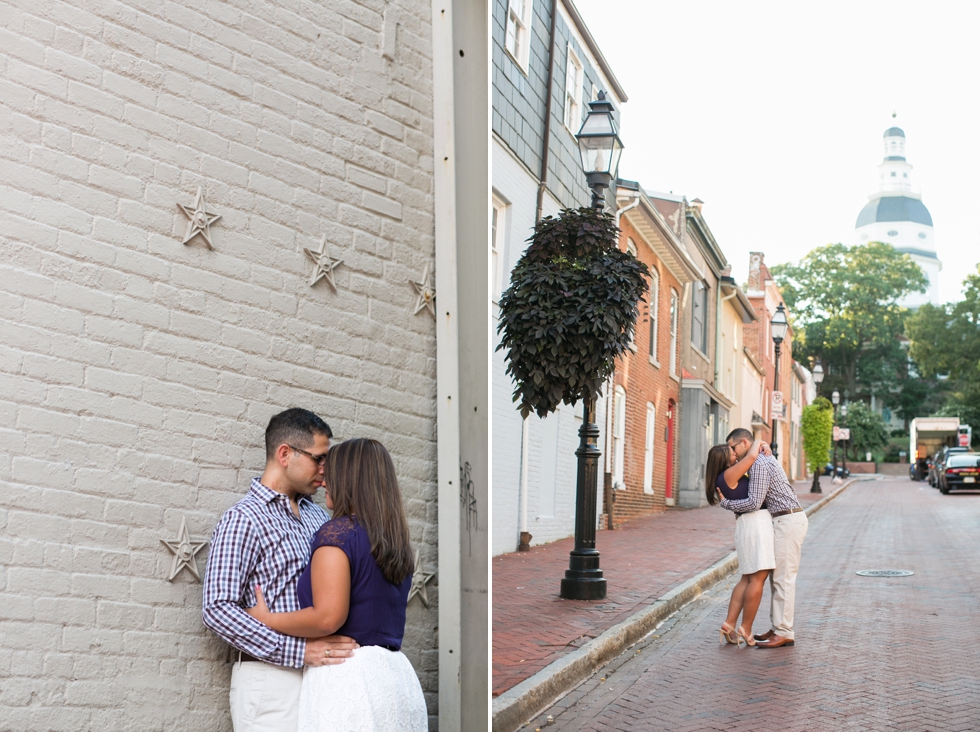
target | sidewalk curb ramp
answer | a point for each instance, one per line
(535, 694)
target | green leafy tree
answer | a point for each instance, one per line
(817, 427)
(570, 310)
(868, 431)
(845, 303)
(945, 341)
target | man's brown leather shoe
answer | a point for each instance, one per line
(775, 642)
(765, 636)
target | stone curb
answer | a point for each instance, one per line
(533, 695)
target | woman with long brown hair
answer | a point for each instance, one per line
(357, 585)
(725, 477)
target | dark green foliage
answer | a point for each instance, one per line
(868, 431)
(845, 301)
(946, 341)
(817, 427)
(570, 310)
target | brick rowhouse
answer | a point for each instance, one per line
(642, 449)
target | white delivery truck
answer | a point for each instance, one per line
(929, 435)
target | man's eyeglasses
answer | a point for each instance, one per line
(320, 459)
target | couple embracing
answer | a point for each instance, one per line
(769, 529)
(312, 599)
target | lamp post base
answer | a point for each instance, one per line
(583, 579)
(815, 488)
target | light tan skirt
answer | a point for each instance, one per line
(755, 542)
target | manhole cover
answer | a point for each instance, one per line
(885, 572)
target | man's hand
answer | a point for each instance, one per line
(329, 650)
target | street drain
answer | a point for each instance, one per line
(885, 572)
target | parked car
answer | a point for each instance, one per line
(842, 472)
(939, 462)
(962, 471)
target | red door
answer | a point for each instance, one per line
(671, 408)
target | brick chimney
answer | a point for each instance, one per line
(757, 261)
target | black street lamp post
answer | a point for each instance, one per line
(779, 327)
(600, 148)
(817, 379)
(835, 398)
(843, 453)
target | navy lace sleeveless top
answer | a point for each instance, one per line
(377, 607)
(741, 489)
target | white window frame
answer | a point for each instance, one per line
(619, 438)
(674, 307)
(497, 238)
(518, 27)
(574, 78)
(654, 315)
(648, 449)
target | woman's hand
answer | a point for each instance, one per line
(765, 449)
(261, 611)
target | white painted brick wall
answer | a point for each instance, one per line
(137, 374)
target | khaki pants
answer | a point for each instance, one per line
(789, 530)
(265, 698)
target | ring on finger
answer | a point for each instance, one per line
(327, 653)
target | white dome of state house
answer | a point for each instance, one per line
(896, 214)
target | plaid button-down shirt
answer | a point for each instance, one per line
(260, 541)
(767, 484)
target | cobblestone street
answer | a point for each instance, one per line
(870, 653)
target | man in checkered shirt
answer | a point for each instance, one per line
(264, 540)
(770, 489)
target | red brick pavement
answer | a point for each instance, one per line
(642, 560)
(870, 654)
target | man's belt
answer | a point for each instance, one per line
(786, 513)
(242, 656)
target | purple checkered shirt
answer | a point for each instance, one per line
(260, 541)
(767, 484)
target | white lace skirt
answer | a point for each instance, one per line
(377, 689)
(755, 542)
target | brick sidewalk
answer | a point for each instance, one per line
(641, 560)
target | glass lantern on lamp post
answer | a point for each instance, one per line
(600, 148)
(817, 379)
(843, 454)
(835, 398)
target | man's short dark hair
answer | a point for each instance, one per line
(294, 427)
(738, 434)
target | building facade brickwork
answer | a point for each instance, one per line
(137, 374)
(647, 380)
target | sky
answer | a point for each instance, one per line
(773, 114)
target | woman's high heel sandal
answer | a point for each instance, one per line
(726, 633)
(743, 636)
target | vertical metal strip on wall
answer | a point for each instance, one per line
(447, 367)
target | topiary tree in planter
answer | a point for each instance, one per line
(817, 426)
(570, 311)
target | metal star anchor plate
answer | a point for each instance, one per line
(324, 264)
(184, 551)
(425, 293)
(419, 580)
(199, 219)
